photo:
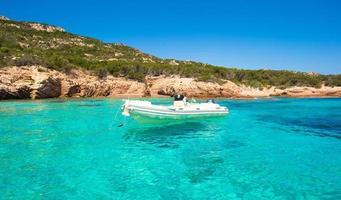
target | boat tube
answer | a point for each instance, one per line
(181, 109)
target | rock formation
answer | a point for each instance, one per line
(4, 18)
(47, 28)
(190, 87)
(37, 82)
(50, 88)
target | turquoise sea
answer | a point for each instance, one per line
(264, 149)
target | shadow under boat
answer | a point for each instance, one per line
(167, 135)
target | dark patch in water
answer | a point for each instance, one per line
(318, 126)
(199, 175)
(95, 100)
(202, 165)
(166, 136)
(88, 105)
(321, 134)
(331, 195)
(233, 144)
(170, 145)
(256, 104)
(57, 101)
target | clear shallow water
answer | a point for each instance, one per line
(264, 149)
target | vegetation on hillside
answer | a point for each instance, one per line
(22, 44)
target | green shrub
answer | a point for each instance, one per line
(26, 60)
(102, 73)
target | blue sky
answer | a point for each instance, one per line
(274, 34)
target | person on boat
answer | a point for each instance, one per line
(210, 101)
(179, 100)
(178, 97)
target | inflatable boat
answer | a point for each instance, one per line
(181, 109)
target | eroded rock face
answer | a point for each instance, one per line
(39, 82)
(74, 91)
(6, 94)
(190, 87)
(23, 92)
(50, 88)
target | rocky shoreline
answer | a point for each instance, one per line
(37, 82)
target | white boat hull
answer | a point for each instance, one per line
(145, 111)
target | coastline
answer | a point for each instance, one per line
(37, 82)
(64, 99)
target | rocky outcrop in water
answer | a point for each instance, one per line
(36, 82)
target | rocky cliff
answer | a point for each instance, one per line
(37, 82)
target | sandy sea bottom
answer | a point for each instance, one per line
(264, 149)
